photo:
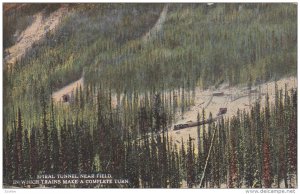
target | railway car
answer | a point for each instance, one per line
(222, 111)
(194, 124)
(218, 94)
(180, 126)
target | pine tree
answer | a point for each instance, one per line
(19, 147)
(172, 170)
(190, 164)
(13, 153)
(216, 157)
(177, 181)
(256, 116)
(205, 144)
(233, 168)
(7, 155)
(70, 149)
(267, 179)
(45, 152)
(131, 164)
(249, 153)
(157, 112)
(282, 140)
(26, 156)
(199, 159)
(33, 154)
(81, 98)
(222, 149)
(159, 161)
(39, 147)
(183, 160)
(54, 144)
(292, 141)
(74, 145)
(64, 148)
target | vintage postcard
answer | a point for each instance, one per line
(150, 95)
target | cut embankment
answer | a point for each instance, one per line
(67, 90)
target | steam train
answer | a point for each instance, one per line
(194, 124)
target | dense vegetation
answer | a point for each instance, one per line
(235, 43)
(65, 53)
(198, 45)
(252, 149)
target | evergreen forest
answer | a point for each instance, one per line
(151, 58)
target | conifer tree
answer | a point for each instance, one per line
(266, 171)
(64, 147)
(54, 143)
(13, 154)
(292, 141)
(26, 156)
(33, 154)
(7, 163)
(266, 163)
(45, 149)
(183, 159)
(233, 168)
(249, 153)
(190, 164)
(19, 147)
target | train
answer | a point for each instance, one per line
(194, 124)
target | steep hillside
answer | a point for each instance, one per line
(198, 45)
(99, 87)
(35, 32)
(86, 31)
(208, 45)
(18, 16)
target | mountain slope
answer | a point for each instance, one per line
(199, 45)
(33, 33)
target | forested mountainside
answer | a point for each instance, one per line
(150, 58)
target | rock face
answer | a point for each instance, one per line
(32, 34)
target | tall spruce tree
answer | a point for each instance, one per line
(54, 143)
(19, 146)
(45, 149)
(33, 154)
(26, 156)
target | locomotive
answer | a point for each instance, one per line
(194, 124)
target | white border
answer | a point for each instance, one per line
(48, 191)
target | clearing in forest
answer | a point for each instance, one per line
(234, 99)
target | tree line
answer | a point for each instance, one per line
(255, 149)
